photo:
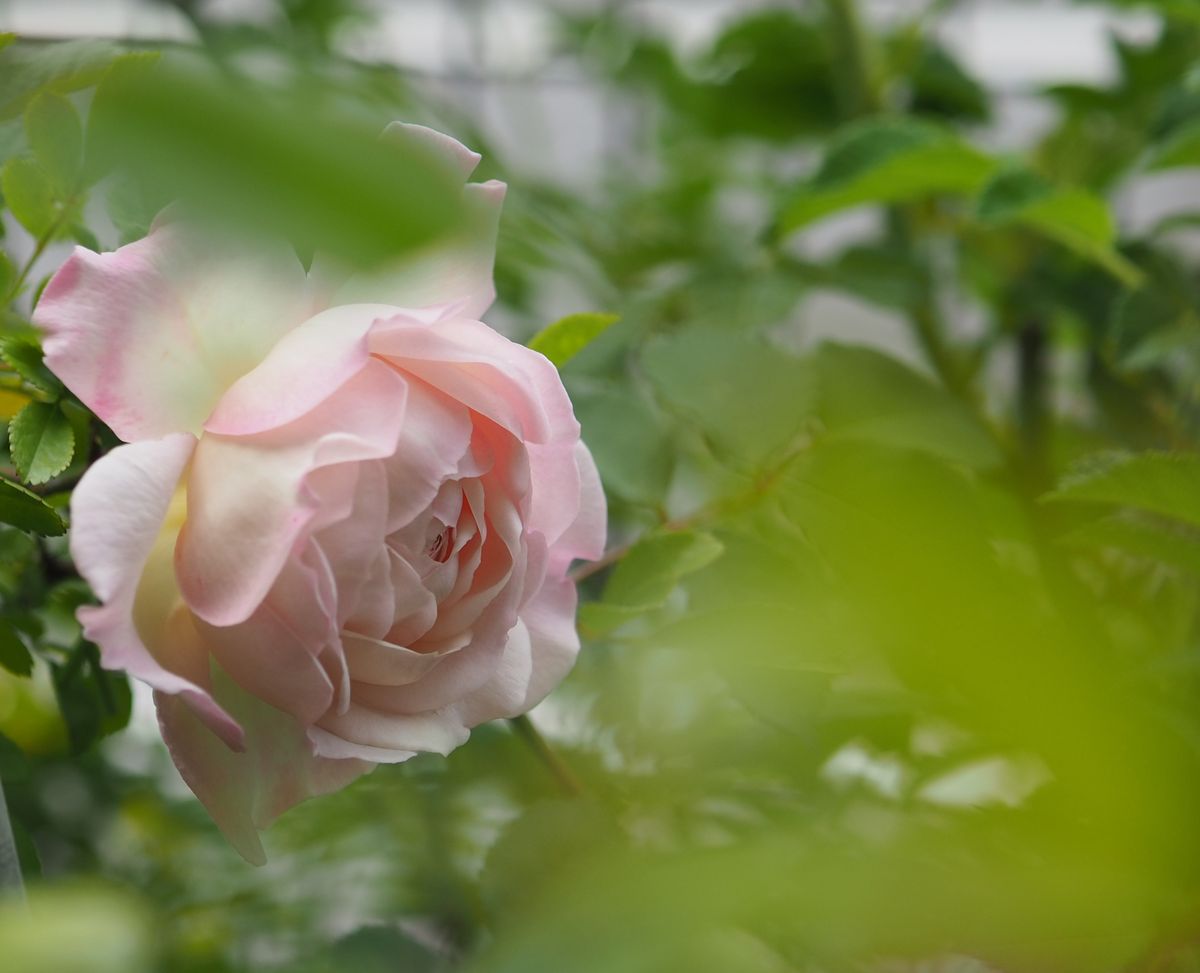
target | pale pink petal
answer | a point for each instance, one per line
(584, 539)
(433, 731)
(508, 383)
(245, 792)
(449, 150)
(247, 502)
(151, 335)
(304, 368)
(118, 514)
(275, 653)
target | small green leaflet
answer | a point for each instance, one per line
(26, 510)
(55, 135)
(567, 337)
(25, 358)
(41, 441)
(14, 656)
(28, 194)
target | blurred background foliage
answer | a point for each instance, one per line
(893, 664)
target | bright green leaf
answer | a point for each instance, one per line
(14, 656)
(1181, 150)
(887, 161)
(26, 510)
(1162, 483)
(55, 136)
(28, 194)
(567, 337)
(41, 441)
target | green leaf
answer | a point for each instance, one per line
(1141, 537)
(749, 398)
(26, 69)
(25, 358)
(26, 510)
(14, 656)
(7, 274)
(866, 396)
(273, 163)
(567, 337)
(648, 573)
(630, 441)
(28, 194)
(41, 441)
(887, 161)
(1180, 150)
(1073, 217)
(94, 702)
(1162, 483)
(55, 136)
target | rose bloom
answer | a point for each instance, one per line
(339, 531)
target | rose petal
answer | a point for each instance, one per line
(247, 503)
(151, 335)
(119, 518)
(246, 791)
(306, 366)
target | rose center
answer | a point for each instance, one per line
(441, 544)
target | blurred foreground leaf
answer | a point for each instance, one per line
(277, 164)
(1161, 483)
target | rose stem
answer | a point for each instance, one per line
(10, 863)
(524, 728)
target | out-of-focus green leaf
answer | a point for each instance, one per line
(941, 87)
(94, 702)
(750, 399)
(867, 396)
(646, 576)
(55, 136)
(25, 358)
(523, 860)
(41, 441)
(48, 933)
(7, 273)
(14, 765)
(26, 69)
(1181, 149)
(132, 207)
(1074, 218)
(1161, 483)
(567, 337)
(28, 194)
(14, 656)
(631, 443)
(25, 509)
(273, 164)
(103, 148)
(887, 161)
(1141, 537)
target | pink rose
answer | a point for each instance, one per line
(340, 531)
